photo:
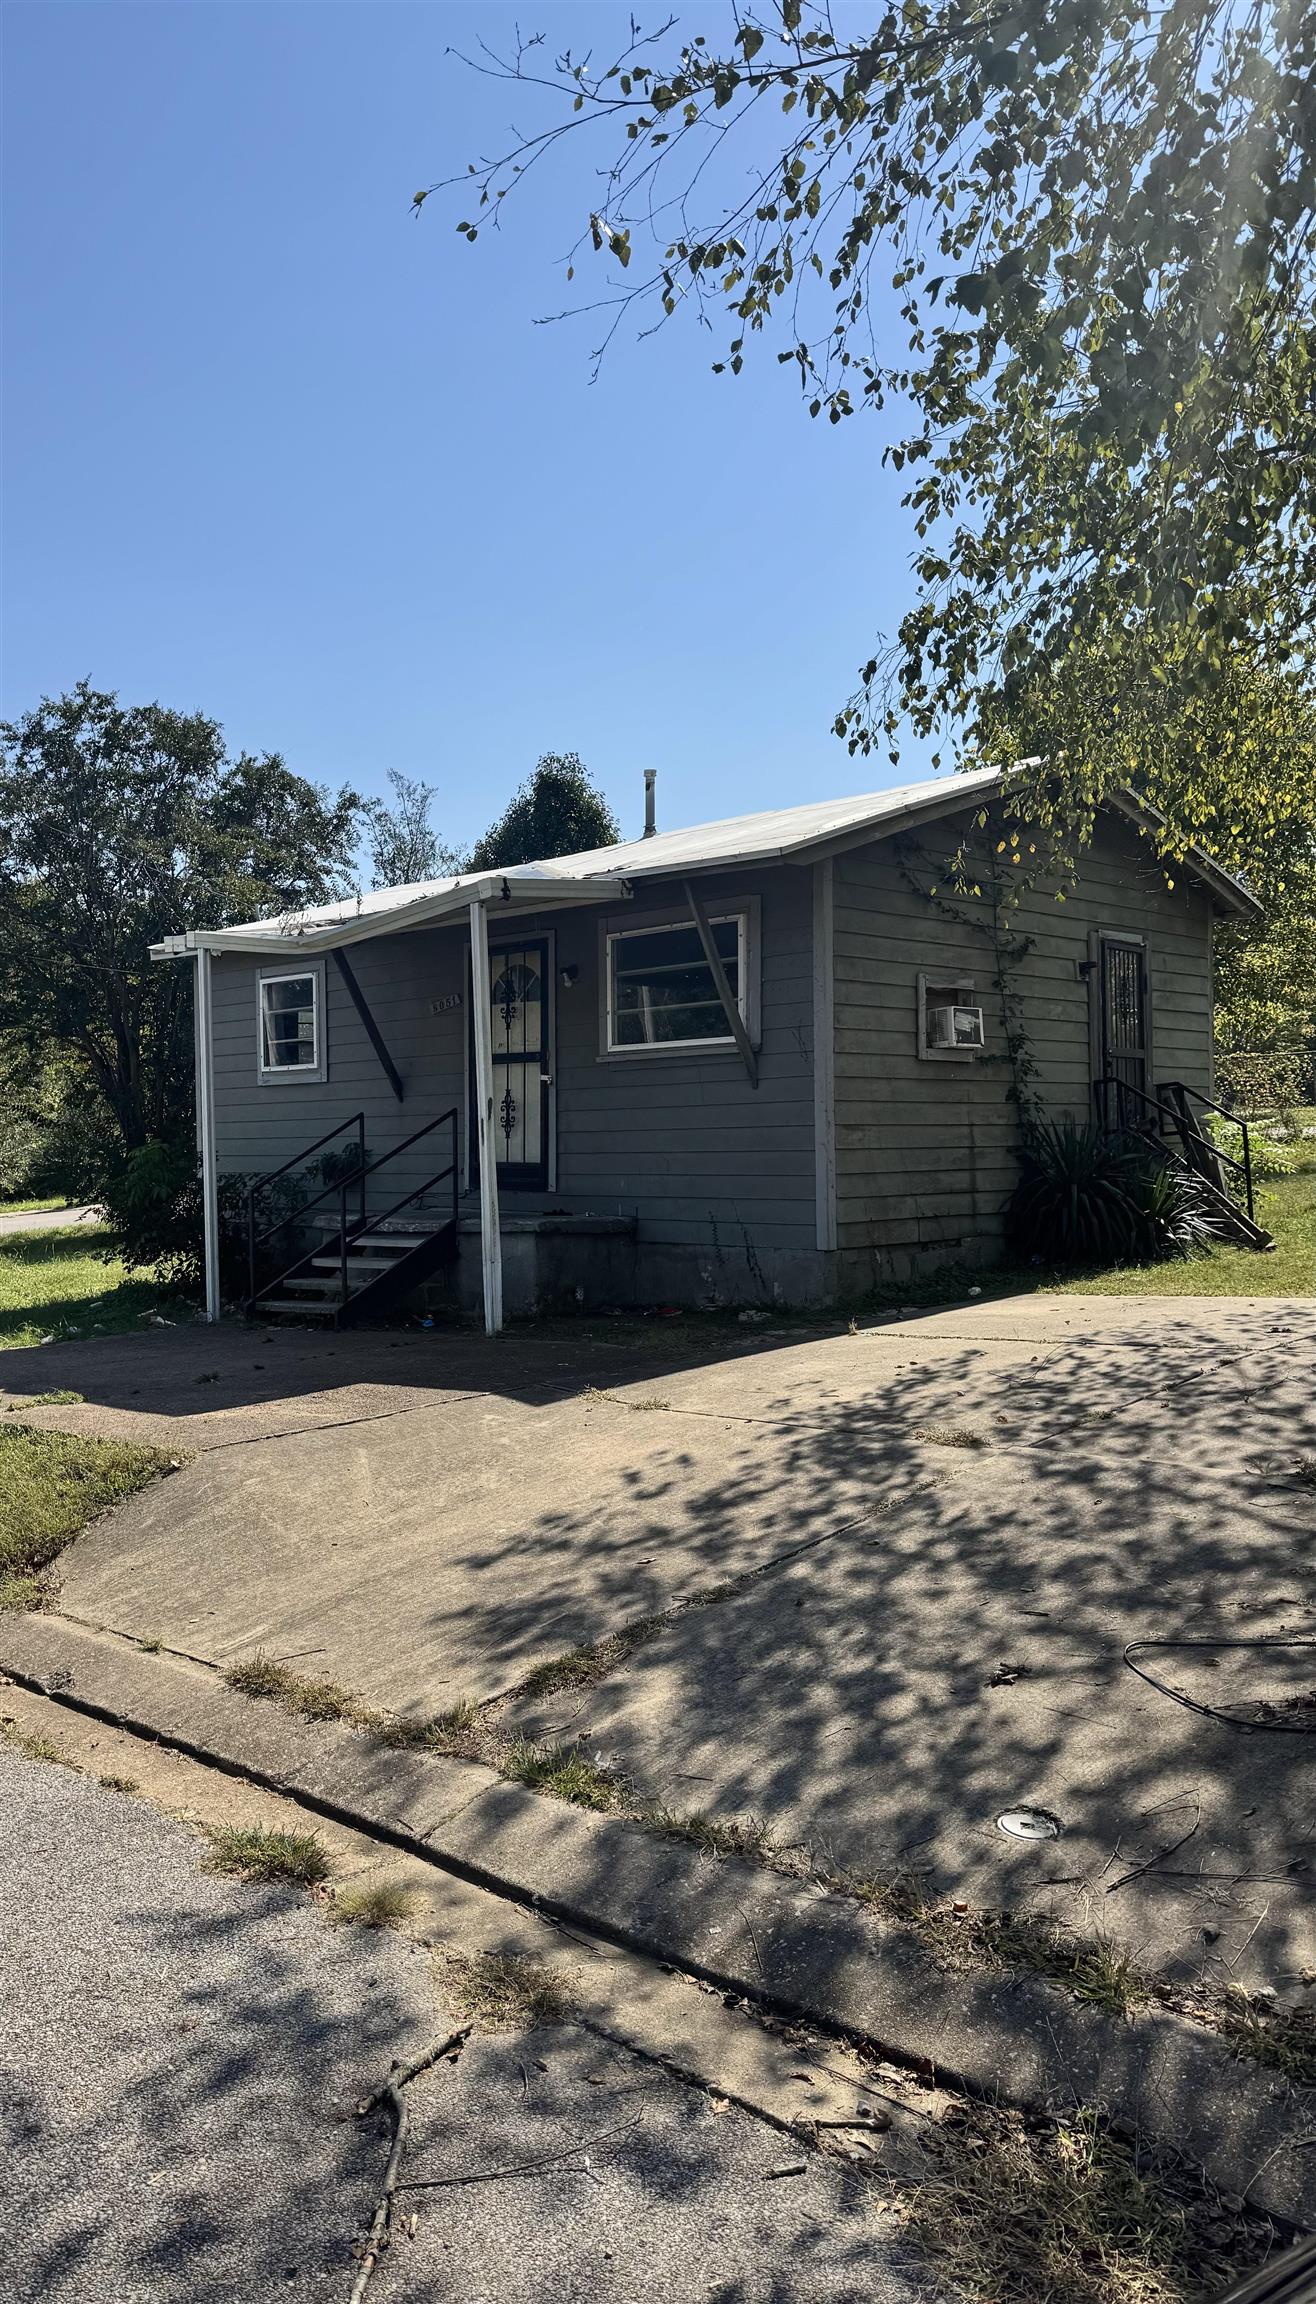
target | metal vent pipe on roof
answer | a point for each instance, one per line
(650, 821)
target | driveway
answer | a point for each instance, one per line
(928, 1558)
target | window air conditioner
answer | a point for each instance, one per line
(955, 1028)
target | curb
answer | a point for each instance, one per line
(797, 1949)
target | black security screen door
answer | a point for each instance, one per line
(520, 989)
(1124, 1013)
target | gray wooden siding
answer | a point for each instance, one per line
(684, 1141)
(681, 1141)
(260, 1124)
(924, 1151)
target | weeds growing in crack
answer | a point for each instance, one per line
(585, 1666)
(951, 1436)
(1283, 2038)
(252, 1853)
(376, 1904)
(32, 1746)
(455, 1733)
(261, 1676)
(563, 1771)
(1095, 1968)
(504, 1993)
(717, 1836)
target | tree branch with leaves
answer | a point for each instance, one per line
(1069, 246)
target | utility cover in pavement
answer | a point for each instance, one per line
(1029, 1824)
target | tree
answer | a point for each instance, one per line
(556, 812)
(404, 846)
(1097, 220)
(120, 824)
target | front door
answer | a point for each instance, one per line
(520, 996)
(1124, 1023)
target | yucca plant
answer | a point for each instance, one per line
(1087, 1197)
(1171, 1213)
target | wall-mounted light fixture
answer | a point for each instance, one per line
(569, 974)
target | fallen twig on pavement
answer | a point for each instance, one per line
(391, 2094)
(523, 2167)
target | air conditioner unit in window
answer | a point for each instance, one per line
(955, 1028)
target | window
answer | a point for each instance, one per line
(661, 992)
(289, 1026)
(950, 1020)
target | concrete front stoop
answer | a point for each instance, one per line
(795, 1948)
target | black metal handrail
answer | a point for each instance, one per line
(257, 1239)
(1182, 1090)
(1180, 1119)
(357, 1182)
(345, 1237)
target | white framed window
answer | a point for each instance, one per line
(659, 993)
(950, 1020)
(290, 1024)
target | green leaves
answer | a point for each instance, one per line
(1073, 242)
(119, 825)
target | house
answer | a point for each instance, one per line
(776, 1058)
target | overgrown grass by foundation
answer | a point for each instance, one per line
(251, 1852)
(503, 1993)
(51, 1486)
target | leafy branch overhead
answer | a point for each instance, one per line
(1066, 245)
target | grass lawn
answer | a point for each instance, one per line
(59, 1284)
(36, 1207)
(1287, 1208)
(51, 1485)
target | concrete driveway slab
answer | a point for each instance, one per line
(441, 1555)
(938, 1536)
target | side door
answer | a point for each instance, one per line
(1123, 1023)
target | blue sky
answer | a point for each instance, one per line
(274, 450)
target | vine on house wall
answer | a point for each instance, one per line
(996, 881)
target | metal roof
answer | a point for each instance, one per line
(771, 835)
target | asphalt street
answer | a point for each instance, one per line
(181, 2055)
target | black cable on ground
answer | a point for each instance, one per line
(1217, 1711)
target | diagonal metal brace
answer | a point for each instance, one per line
(719, 976)
(373, 1033)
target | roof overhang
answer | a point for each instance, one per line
(530, 888)
(501, 891)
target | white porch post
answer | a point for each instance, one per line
(491, 1244)
(205, 1121)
